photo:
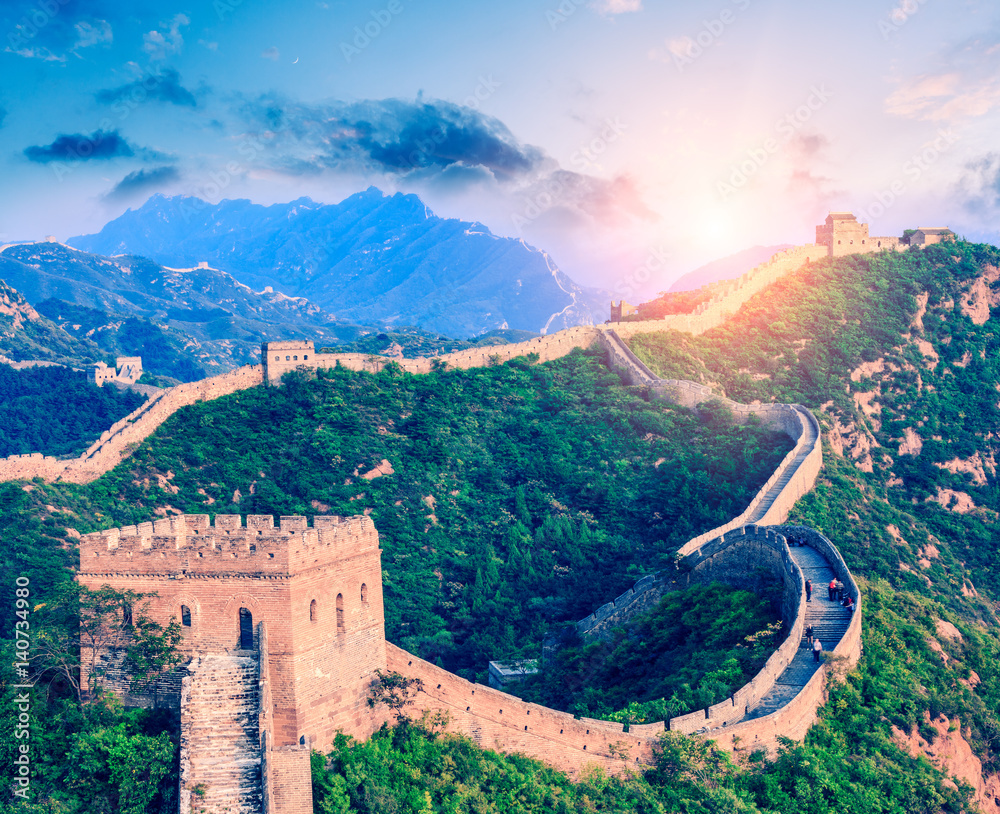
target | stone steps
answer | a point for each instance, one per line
(221, 728)
(829, 621)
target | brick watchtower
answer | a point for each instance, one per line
(289, 616)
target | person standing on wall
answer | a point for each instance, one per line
(817, 649)
(809, 635)
(832, 587)
(809, 590)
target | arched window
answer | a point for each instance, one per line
(185, 616)
(312, 611)
(340, 613)
(364, 592)
(246, 629)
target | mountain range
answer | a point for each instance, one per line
(371, 259)
(218, 320)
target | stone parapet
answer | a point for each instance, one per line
(187, 544)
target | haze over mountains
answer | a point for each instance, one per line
(371, 259)
(217, 320)
(726, 268)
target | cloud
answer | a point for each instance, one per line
(162, 87)
(573, 200)
(78, 147)
(40, 52)
(393, 136)
(612, 7)
(965, 85)
(51, 31)
(211, 45)
(90, 34)
(440, 148)
(978, 188)
(167, 40)
(271, 53)
(142, 181)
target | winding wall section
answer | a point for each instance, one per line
(497, 720)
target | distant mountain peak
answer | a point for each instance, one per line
(373, 258)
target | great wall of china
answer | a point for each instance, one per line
(780, 701)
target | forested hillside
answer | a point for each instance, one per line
(56, 411)
(511, 499)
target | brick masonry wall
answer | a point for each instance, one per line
(319, 666)
(321, 660)
(496, 720)
(116, 443)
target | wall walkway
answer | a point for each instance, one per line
(497, 720)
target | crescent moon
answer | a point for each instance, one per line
(295, 60)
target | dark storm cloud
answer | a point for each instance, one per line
(164, 86)
(395, 136)
(78, 147)
(142, 181)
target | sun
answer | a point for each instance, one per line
(712, 228)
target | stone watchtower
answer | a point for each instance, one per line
(842, 234)
(283, 631)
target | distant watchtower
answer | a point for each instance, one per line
(842, 234)
(283, 627)
(280, 357)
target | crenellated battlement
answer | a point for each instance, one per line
(189, 545)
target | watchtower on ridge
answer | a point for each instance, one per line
(294, 613)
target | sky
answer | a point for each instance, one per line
(632, 140)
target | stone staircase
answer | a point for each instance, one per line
(772, 494)
(829, 621)
(219, 733)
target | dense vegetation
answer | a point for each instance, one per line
(25, 334)
(693, 649)
(165, 351)
(523, 495)
(844, 338)
(512, 482)
(850, 762)
(515, 476)
(56, 411)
